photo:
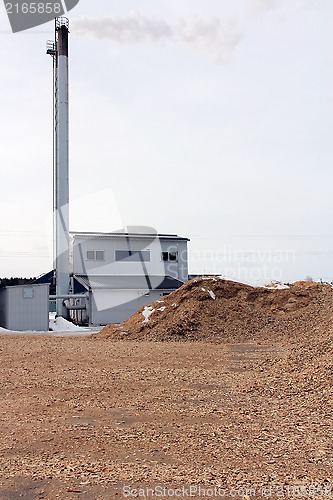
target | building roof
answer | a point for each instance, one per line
(128, 235)
(120, 282)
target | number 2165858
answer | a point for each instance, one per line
(34, 8)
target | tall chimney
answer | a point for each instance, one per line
(59, 52)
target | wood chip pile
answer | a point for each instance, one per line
(217, 310)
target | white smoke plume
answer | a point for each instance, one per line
(257, 6)
(210, 36)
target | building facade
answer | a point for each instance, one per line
(120, 272)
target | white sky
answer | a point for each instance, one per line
(224, 136)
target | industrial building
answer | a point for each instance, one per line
(113, 274)
(120, 272)
(98, 278)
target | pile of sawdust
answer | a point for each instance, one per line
(308, 366)
(217, 310)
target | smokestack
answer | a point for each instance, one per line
(59, 52)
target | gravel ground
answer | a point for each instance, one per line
(86, 417)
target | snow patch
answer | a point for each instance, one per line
(58, 327)
(212, 294)
(161, 308)
(148, 310)
(61, 324)
(4, 330)
(276, 285)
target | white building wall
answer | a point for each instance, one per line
(110, 266)
(178, 269)
(115, 306)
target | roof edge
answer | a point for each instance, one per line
(120, 235)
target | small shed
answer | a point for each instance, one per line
(25, 307)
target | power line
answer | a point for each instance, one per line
(229, 236)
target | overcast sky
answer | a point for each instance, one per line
(207, 118)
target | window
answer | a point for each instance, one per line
(165, 256)
(99, 255)
(173, 256)
(170, 256)
(95, 254)
(133, 255)
(90, 255)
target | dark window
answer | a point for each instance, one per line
(133, 256)
(170, 256)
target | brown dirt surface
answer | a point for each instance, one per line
(82, 417)
(217, 310)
